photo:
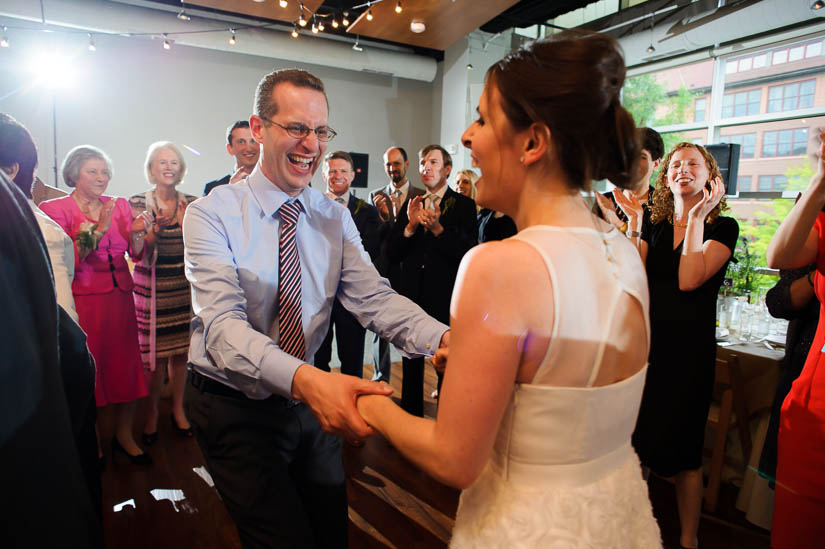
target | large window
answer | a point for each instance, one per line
(747, 141)
(789, 97)
(741, 103)
(785, 142)
(772, 183)
(769, 100)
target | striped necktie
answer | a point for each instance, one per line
(290, 327)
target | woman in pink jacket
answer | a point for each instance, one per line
(103, 230)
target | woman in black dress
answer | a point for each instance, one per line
(686, 246)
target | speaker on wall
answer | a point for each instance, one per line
(362, 164)
(727, 156)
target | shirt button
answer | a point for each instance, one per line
(428, 345)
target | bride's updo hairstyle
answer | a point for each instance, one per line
(571, 83)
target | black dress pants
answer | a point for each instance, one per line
(349, 335)
(280, 476)
(412, 386)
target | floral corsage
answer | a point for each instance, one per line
(87, 237)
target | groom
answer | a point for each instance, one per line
(266, 258)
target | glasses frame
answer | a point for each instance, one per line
(304, 130)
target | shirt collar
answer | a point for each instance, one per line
(345, 196)
(403, 188)
(439, 193)
(270, 197)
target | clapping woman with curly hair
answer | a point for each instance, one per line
(686, 246)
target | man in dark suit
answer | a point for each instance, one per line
(440, 228)
(339, 171)
(391, 202)
(244, 148)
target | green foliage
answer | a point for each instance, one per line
(643, 96)
(756, 234)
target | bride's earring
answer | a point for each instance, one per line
(521, 159)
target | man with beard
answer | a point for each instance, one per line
(391, 202)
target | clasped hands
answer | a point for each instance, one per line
(419, 215)
(385, 205)
(337, 400)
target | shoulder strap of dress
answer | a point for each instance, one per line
(526, 237)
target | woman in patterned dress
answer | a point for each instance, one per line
(162, 294)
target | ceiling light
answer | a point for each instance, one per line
(166, 44)
(183, 17)
(295, 32)
(345, 22)
(818, 5)
(417, 26)
(302, 20)
(92, 43)
(314, 28)
(469, 66)
(334, 23)
(232, 37)
(259, 1)
(4, 42)
(398, 7)
(283, 3)
(356, 47)
(321, 26)
(369, 15)
(650, 48)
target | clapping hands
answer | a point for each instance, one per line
(710, 199)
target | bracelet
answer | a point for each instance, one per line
(633, 234)
(623, 228)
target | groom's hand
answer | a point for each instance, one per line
(332, 397)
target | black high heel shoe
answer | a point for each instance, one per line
(141, 459)
(186, 433)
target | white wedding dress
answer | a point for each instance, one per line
(563, 473)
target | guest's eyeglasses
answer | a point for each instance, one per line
(300, 131)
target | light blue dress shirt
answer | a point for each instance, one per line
(231, 254)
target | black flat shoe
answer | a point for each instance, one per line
(149, 438)
(186, 433)
(141, 459)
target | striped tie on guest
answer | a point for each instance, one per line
(290, 327)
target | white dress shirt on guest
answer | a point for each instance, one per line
(61, 255)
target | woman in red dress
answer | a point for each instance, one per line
(799, 501)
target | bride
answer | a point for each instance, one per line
(550, 330)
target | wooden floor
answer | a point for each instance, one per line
(392, 503)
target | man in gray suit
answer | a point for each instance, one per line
(391, 202)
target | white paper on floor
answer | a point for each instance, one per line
(204, 474)
(172, 495)
(119, 507)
